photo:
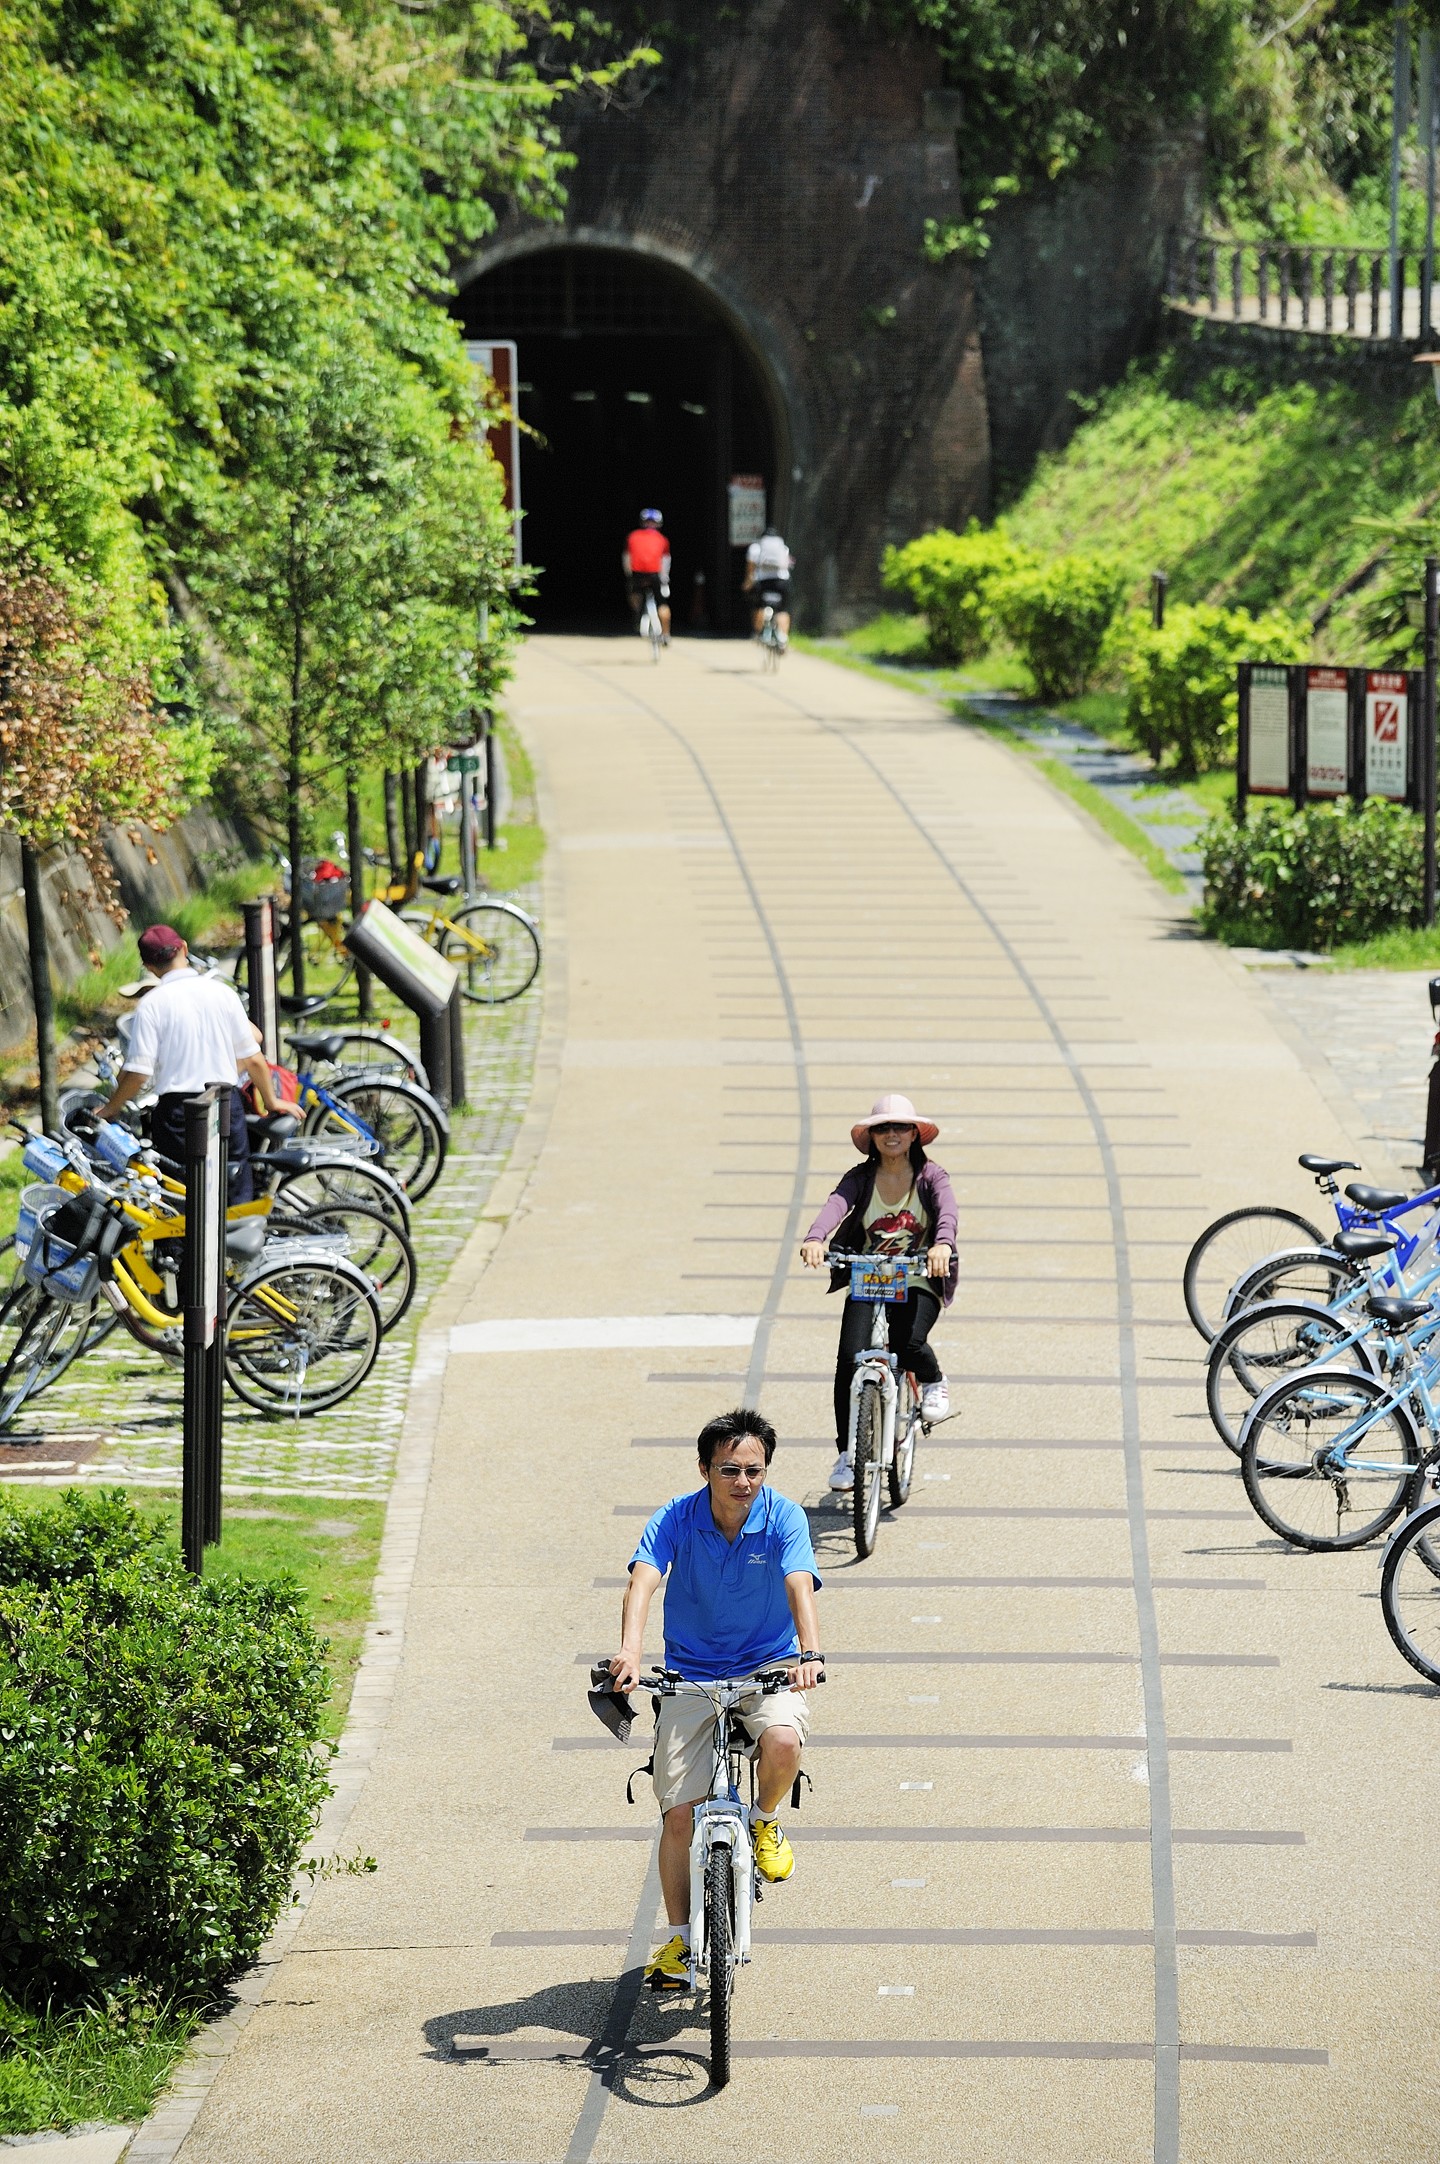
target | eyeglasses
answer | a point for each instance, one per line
(741, 1472)
(892, 1127)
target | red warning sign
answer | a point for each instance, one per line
(1387, 733)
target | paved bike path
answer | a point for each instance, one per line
(1106, 1855)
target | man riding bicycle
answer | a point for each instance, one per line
(740, 1582)
(768, 565)
(646, 557)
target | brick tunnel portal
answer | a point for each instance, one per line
(639, 390)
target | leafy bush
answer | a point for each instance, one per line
(158, 1763)
(1058, 615)
(1180, 680)
(1312, 878)
(948, 577)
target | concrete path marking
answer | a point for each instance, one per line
(599, 1333)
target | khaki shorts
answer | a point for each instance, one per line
(684, 1733)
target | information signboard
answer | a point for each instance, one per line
(1327, 732)
(1387, 734)
(1269, 762)
(404, 962)
(747, 508)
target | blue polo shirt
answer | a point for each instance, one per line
(725, 1605)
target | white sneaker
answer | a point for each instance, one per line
(935, 1400)
(842, 1474)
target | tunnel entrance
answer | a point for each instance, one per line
(640, 393)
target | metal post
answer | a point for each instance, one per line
(215, 1350)
(260, 972)
(1159, 581)
(1427, 137)
(1427, 727)
(491, 791)
(1399, 122)
(467, 833)
(202, 1263)
(457, 1048)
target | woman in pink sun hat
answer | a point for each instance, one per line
(896, 1203)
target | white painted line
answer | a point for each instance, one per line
(879, 2111)
(917, 1785)
(601, 1333)
(896, 1991)
(926, 1619)
(907, 1883)
(923, 1698)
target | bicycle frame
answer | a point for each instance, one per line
(1412, 1387)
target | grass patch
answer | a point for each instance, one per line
(330, 1548)
(1092, 800)
(1411, 948)
(110, 2063)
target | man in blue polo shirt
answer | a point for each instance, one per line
(740, 1584)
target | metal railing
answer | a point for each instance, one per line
(1345, 291)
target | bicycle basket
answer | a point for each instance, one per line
(71, 1239)
(44, 1158)
(32, 1201)
(324, 897)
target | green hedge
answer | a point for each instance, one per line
(1312, 878)
(1180, 703)
(948, 577)
(159, 1760)
(1058, 616)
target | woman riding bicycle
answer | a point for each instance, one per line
(896, 1203)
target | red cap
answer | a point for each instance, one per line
(159, 945)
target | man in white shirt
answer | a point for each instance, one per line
(768, 565)
(190, 1031)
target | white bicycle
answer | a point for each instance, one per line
(885, 1417)
(650, 626)
(724, 1883)
(772, 644)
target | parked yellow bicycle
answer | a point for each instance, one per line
(494, 943)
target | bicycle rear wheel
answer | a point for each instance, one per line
(1410, 1591)
(43, 1348)
(1232, 1245)
(908, 1428)
(1284, 1461)
(374, 1243)
(300, 1336)
(1259, 1345)
(404, 1120)
(506, 960)
(865, 1495)
(1320, 1276)
(720, 1952)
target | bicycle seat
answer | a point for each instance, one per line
(1323, 1167)
(449, 884)
(244, 1241)
(273, 1127)
(295, 1158)
(1359, 1246)
(1399, 1314)
(320, 1044)
(1376, 1198)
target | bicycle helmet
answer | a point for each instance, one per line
(651, 518)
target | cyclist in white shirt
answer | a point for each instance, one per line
(190, 1031)
(768, 565)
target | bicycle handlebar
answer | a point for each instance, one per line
(840, 1258)
(670, 1683)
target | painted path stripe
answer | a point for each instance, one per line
(925, 1836)
(600, 1333)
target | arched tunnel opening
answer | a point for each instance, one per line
(638, 392)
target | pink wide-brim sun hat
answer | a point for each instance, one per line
(889, 1108)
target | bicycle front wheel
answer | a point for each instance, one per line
(42, 1348)
(1311, 1476)
(1229, 1247)
(1259, 1346)
(1321, 1276)
(1410, 1591)
(865, 1495)
(343, 1179)
(720, 1953)
(902, 1471)
(496, 949)
(300, 1336)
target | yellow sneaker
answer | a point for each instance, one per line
(774, 1857)
(670, 1969)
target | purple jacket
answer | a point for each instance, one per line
(844, 1211)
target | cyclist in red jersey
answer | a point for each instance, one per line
(646, 557)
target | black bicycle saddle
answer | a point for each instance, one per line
(1359, 1246)
(449, 884)
(1323, 1167)
(1376, 1198)
(320, 1044)
(1400, 1314)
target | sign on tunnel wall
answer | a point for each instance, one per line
(1310, 731)
(747, 508)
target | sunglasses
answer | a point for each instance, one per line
(741, 1472)
(893, 1127)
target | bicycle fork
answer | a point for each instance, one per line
(878, 1368)
(720, 1825)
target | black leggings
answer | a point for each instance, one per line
(910, 1328)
